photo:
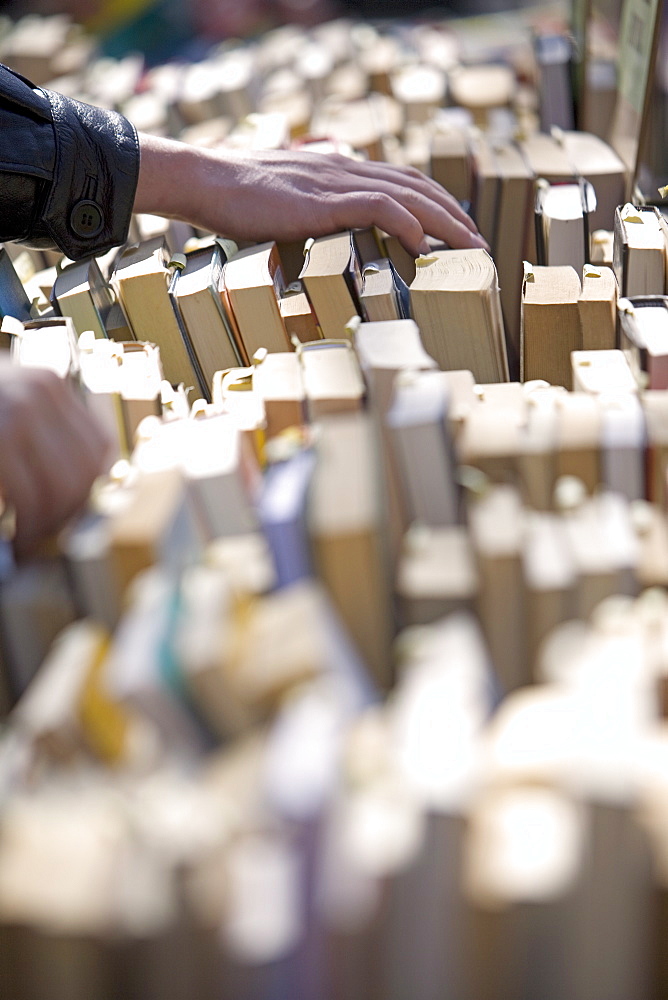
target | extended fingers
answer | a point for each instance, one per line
(403, 213)
(413, 180)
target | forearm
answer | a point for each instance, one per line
(283, 195)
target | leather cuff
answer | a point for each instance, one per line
(68, 171)
(89, 206)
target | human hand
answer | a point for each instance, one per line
(284, 195)
(51, 450)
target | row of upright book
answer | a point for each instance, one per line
(351, 680)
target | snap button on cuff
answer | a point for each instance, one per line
(86, 219)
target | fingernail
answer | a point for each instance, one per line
(424, 246)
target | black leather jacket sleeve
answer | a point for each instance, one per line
(68, 171)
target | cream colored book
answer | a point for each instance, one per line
(548, 578)
(598, 163)
(655, 408)
(450, 162)
(204, 640)
(195, 293)
(208, 451)
(220, 85)
(140, 279)
(643, 330)
(639, 251)
(332, 378)
(503, 203)
(331, 278)
(436, 574)
(417, 423)
(253, 282)
(597, 306)
(384, 294)
(623, 444)
(298, 316)
(482, 88)
(550, 324)
(602, 371)
(82, 293)
(547, 158)
(47, 343)
(536, 460)
(420, 89)
(497, 523)
(347, 537)
(562, 224)
(123, 383)
(602, 247)
(279, 381)
(605, 550)
(455, 303)
(153, 525)
(651, 528)
(384, 349)
(578, 443)
(489, 439)
(522, 899)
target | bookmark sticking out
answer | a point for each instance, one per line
(178, 261)
(663, 191)
(528, 270)
(353, 325)
(424, 261)
(592, 272)
(629, 213)
(474, 481)
(626, 306)
(229, 247)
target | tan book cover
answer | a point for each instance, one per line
(253, 282)
(332, 378)
(298, 316)
(643, 336)
(195, 293)
(497, 529)
(279, 381)
(639, 252)
(330, 276)
(140, 280)
(550, 324)
(346, 533)
(455, 303)
(597, 307)
(602, 371)
(450, 163)
(597, 162)
(579, 438)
